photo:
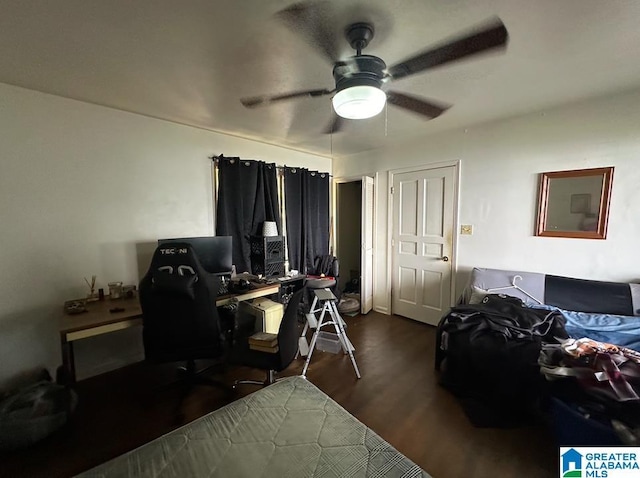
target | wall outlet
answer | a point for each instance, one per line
(466, 229)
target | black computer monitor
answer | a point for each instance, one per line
(214, 252)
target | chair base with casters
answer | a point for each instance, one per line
(192, 377)
(187, 377)
(271, 379)
(270, 363)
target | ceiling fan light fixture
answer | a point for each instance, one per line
(359, 102)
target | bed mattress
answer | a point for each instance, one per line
(288, 429)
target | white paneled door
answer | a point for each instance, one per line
(423, 214)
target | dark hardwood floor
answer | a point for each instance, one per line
(398, 397)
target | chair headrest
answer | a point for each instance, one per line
(175, 269)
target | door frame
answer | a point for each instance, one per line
(334, 210)
(456, 163)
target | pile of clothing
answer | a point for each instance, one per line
(510, 364)
(599, 383)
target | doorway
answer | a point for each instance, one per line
(354, 240)
(423, 223)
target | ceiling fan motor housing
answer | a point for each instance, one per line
(363, 70)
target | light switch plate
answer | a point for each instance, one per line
(466, 229)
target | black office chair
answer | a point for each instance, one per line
(327, 265)
(288, 336)
(323, 275)
(179, 314)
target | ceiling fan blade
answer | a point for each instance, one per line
(335, 126)
(487, 37)
(417, 105)
(255, 101)
(313, 22)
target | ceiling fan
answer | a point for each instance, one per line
(360, 81)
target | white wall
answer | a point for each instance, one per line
(88, 190)
(501, 162)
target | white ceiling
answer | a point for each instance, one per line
(191, 61)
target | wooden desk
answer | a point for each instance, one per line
(98, 320)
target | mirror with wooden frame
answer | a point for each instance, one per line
(574, 203)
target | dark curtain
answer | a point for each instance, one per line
(307, 207)
(247, 196)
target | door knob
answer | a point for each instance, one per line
(445, 258)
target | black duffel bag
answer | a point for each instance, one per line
(488, 353)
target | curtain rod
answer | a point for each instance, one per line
(217, 157)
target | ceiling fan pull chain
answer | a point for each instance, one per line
(331, 144)
(332, 128)
(386, 110)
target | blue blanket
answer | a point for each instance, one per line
(620, 330)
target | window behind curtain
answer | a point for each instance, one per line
(247, 196)
(307, 206)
